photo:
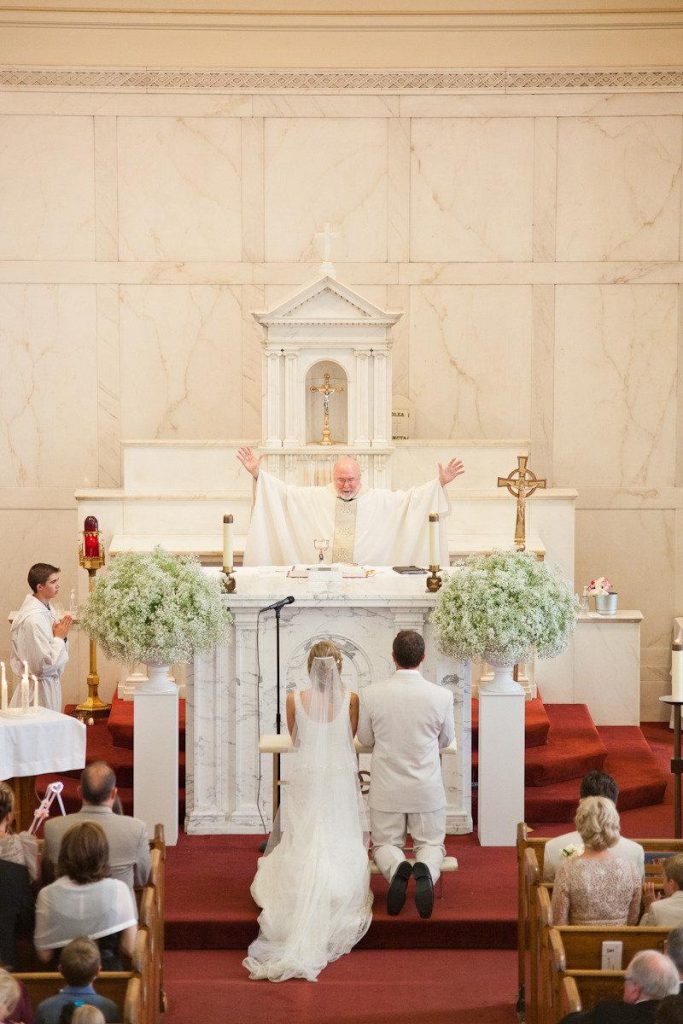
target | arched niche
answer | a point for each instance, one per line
(323, 373)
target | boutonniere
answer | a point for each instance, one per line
(572, 851)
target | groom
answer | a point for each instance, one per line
(407, 720)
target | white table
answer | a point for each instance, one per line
(38, 743)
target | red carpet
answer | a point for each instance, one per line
(536, 723)
(397, 987)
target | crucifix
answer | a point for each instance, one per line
(521, 483)
(327, 267)
(326, 390)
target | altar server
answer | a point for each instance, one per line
(39, 638)
(365, 525)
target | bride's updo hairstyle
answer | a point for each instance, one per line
(325, 649)
(597, 822)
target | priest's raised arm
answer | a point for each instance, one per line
(365, 525)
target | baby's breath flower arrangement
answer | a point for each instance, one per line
(155, 607)
(500, 606)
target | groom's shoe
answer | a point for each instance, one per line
(424, 890)
(396, 896)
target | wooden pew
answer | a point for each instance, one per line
(570, 999)
(525, 891)
(111, 984)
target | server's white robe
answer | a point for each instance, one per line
(32, 641)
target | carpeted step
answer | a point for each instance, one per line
(536, 723)
(573, 748)
(121, 723)
(630, 760)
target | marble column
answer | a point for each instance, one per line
(292, 436)
(361, 426)
(380, 427)
(272, 401)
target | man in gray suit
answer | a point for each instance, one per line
(127, 837)
(407, 720)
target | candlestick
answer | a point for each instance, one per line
(23, 689)
(36, 703)
(3, 687)
(677, 670)
(434, 539)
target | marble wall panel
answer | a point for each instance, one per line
(619, 188)
(615, 368)
(48, 385)
(635, 550)
(326, 170)
(47, 190)
(181, 362)
(470, 361)
(179, 188)
(471, 189)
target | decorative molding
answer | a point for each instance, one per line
(177, 80)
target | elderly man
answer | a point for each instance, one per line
(650, 977)
(364, 525)
(127, 837)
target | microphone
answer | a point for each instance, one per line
(276, 605)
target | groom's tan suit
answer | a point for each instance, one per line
(407, 720)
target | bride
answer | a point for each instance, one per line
(313, 883)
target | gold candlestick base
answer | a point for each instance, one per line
(228, 583)
(434, 581)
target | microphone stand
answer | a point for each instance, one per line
(278, 718)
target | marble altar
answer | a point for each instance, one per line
(231, 690)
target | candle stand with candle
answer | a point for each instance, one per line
(229, 583)
(91, 558)
(433, 580)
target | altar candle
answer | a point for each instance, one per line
(228, 542)
(3, 686)
(24, 688)
(91, 537)
(433, 538)
(677, 670)
(35, 692)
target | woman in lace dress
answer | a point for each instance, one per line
(17, 847)
(597, 887)
(313, 883)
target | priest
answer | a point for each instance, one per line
(363, 525)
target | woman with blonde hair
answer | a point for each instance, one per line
(17, 847)
(595, 886)
(313, 883)
(10, 994)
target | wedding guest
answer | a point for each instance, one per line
(650, 977)
(17, 908)
(594, 783)
(666, 910)
(39, 638)
(88, 1014)
(597, 886)
(79, 964)
(16, 847)
(10, 994)
(127, 837)
(86, 901)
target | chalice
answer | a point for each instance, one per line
(321, 547)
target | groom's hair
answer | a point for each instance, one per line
(408, 648)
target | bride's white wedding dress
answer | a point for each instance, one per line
(313, 886)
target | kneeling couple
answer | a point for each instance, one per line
(313, 883)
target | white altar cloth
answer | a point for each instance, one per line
(231, 689)
(40, 742)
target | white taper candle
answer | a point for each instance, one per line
(434, 538)
(3, 686)
(677, 672)
(36, 703)
(228, 543)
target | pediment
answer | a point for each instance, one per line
(326, 301)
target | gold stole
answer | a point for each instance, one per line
(344, 530)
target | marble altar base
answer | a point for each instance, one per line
(231, 690)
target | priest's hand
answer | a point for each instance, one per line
(250, 461)
(449, 472)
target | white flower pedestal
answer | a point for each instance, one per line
(155, 753)
(501, 758)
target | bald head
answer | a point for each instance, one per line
(650, 975)
(346, 477)
(98, 783)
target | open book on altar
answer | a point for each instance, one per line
(338, 570)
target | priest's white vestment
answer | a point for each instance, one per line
(376, 527)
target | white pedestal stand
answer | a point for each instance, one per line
(155, 753)
(501, 766)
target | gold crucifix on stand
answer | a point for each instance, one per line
(521, 483)
(326, 390)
